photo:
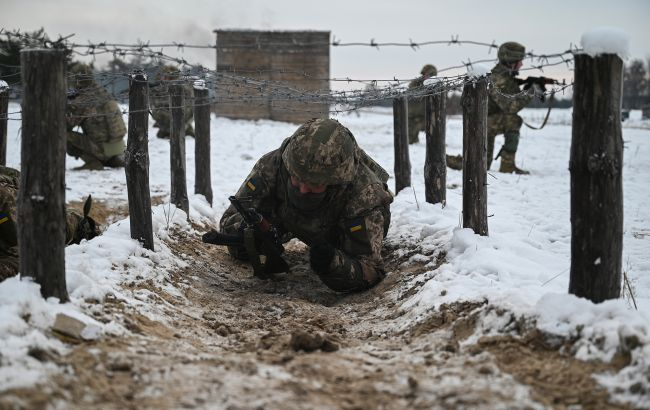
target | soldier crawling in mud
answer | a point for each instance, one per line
(93, 111)
(78, 227)
(323, 189)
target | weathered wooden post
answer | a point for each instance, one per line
(596, 178)
(41, 198)
(474, 101)
(4, 112)
(177, 149)
(136, 160)
(435, 167)
(202, 180)
(401, 144)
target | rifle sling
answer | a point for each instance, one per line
(253, 253)
(548, 113)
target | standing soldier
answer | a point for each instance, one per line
(416, 105)
(323, 189)
(505, 101)
(95, 125)
(159, 98)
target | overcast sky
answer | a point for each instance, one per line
(545, 27)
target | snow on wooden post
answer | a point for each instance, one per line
(177, 149)
(401, 144)
(41, 199)
(596, 164)
(4, 112)
(474, 101)
(136, 160)
(203, 183)
(435, 167)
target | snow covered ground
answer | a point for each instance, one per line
(523, 266)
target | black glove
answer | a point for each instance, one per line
(210, 237)
(320, 257)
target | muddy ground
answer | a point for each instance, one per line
(237, 342)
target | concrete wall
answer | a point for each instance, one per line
(262, 55)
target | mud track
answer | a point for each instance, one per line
(237, 342)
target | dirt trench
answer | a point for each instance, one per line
(237, 342)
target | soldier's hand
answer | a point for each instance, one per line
(210, 237)
(320, 257)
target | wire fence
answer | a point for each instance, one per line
(249, 86)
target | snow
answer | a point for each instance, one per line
(606, 40)
(522, 266)
(477, 71)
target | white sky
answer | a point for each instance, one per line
(544, 27)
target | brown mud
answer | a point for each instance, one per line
(236, 342)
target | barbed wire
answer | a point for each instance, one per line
(233, 88)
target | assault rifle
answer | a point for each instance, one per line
(542, 82)
(258, 237)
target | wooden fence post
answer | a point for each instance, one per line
(4, 112)
(435, 167)
(177, 149)
(202, 180)
(474, 101)
(596, 178)
(41, 199)
(401, 144)
(136, 159)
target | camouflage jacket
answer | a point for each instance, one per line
(353, 218)
(416, 104)
(505, 97)
(9, 183)
(159, 102)
(98, 115)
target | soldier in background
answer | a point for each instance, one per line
(416, 119)
(505, 101)
(416, 105)
(78, 226)
(95, 125)
(159, 101)
(323, 189)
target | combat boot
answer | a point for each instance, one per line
(508, 164)
(455, 162)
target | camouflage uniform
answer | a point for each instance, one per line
(159, 101)
(91, 108)
(9, 260)
(351, 216)
(505, 101)
(416, 122)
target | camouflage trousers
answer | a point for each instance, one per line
(506, 124)
(82, 146)
(416, 124)
(163, 121)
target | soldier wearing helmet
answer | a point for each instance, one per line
(323, 189)
(416, 104)
(95, 125)
(159, 100)
(505, 101)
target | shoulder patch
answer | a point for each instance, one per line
(356, 225)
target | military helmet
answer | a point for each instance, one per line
(82, 74)
(322, 152)
(511, 52)
(429, 70)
